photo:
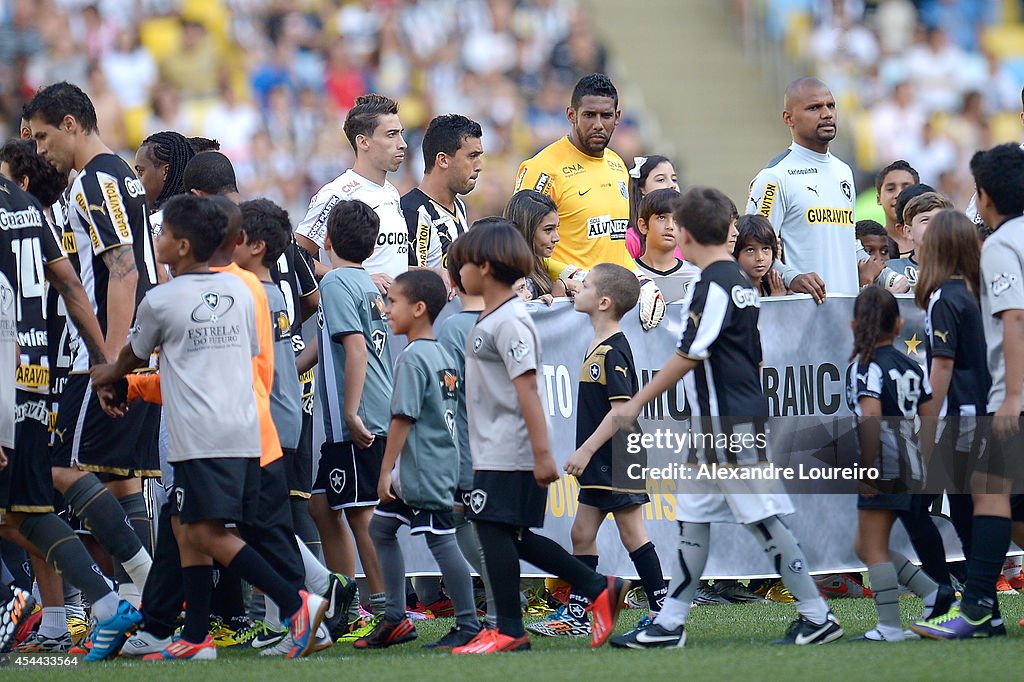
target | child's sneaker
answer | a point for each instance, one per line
(652, 636)
(180, 650)
(605, 610)
(142, 643)
(18, 605)
(38, 644)
(1003, 586)
(341, 590)
(802, 631)
(77, 626)
(456, 637)
(110, 634)
(442, 608)
(304, 623)
(561, 624)
(954, 625)
(360, 627)
(491, 642)
(387, 634)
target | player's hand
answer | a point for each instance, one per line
(361, 436)
(383, 282)
(775, 284)
(113, 401)
(384, 487)
(577, 462)
(3, 459)
(546, 299)
(103, 375)
(809, 283)
(1006, 421)
(544, 471)
(869, 269)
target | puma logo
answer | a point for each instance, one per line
(99, 208)
(695, 318)
(625, 372)
(944, 336)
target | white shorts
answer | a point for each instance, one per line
(731, 501)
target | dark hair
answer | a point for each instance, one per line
(53, 102)
(45, 182)
(595, 84)
(869, 228)
(203, 144)
(618, 284)
(426, 286)
(706, 214)
(875, 313)
(949, 249)
(173, 149)
(497, 241)
(211, 173)
(234, 216)
(908, 193)
(362, 118)
(526, 210)
(197, 219)
(755, 228)
(353, 227)
(264, 221)
(658, 202)
(899, 165)
(636, 184)
(1000, 173)
(446, 134)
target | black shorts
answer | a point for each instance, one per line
(225, 488)
(609, 501)
(1000, 458)
(508, 497)
(347, 475)
(273, 508)
(438, 522)
(1017, 507)
(26, 484)
(88, 438)
(897, 502)
(298, 467)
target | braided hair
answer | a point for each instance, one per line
(875, 314)
(173, 149)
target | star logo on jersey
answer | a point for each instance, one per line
(477, 500)
(942, 336)
(477, 342)
(449, 421)
(379, 337)
(595, 371)
(213, 307)
(847, 190)
(797, 566)
(337, 480)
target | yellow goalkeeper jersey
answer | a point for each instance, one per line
(592, 195)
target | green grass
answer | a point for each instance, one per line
(728, 642)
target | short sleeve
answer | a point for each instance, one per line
(304, 276)
(146, 334)
(341, 310)
(516, 343)
(410, 387)
(943, 321)
(765, 198)
(618, 375)
(708, 308)
(869, 381)
(102, 204)
(50, 244)
(314, 225)
(532, 176)
(1001, 270)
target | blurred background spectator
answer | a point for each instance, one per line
(273, 79)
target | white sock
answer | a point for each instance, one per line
(130, 593)
(890, 633)
(54, 623)
(929, 602)
(138, 568)
(106, 607)
(674, 613)
(73, 605)
(317, 576)
(273, 617)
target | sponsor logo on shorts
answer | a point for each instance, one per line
(118, 215)
(768, 200)
(337, 480)
(478, 500)
(179, 498)
(35, 410)
(819, 215)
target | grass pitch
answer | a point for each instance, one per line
(725, 642)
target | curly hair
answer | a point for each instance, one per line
(45, 182)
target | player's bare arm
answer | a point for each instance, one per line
(319, 269)
(62, 277)
(308, 304)
(306, 360)
(544, 470)
(120, 262)
(940, 377)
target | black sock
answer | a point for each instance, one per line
(55, 540)
(303, 524)
(101, 513)
(163, 595)
(577, 606)
(198, 587)
(17, 563)
(551, 557)
(990, 538)
(648, 567)
(502, 559)
(134, 506)
(926, 540)
(254, 568)
(227, 601)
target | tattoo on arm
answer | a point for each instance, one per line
(120, 261)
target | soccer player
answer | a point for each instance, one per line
(421, 465)
(721, 344)
(808, 195)
(435, 215)
(587, 181)
(110, 227)
(889, 182)
(354, 384)
(999, 176)
(608, 377)
(160, 164)
(205, 324)
(508, 434)
(375, 132)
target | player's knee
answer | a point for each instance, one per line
(82, 491)
(65, 477)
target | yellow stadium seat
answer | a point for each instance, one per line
(135, 125)
(1004, 41)
(1005, 127)
(864, 146)
(161, 36)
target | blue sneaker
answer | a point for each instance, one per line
(110, 634)
(954, 625)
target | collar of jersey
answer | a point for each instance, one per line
(810, 153)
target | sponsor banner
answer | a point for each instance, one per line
(805, 359)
